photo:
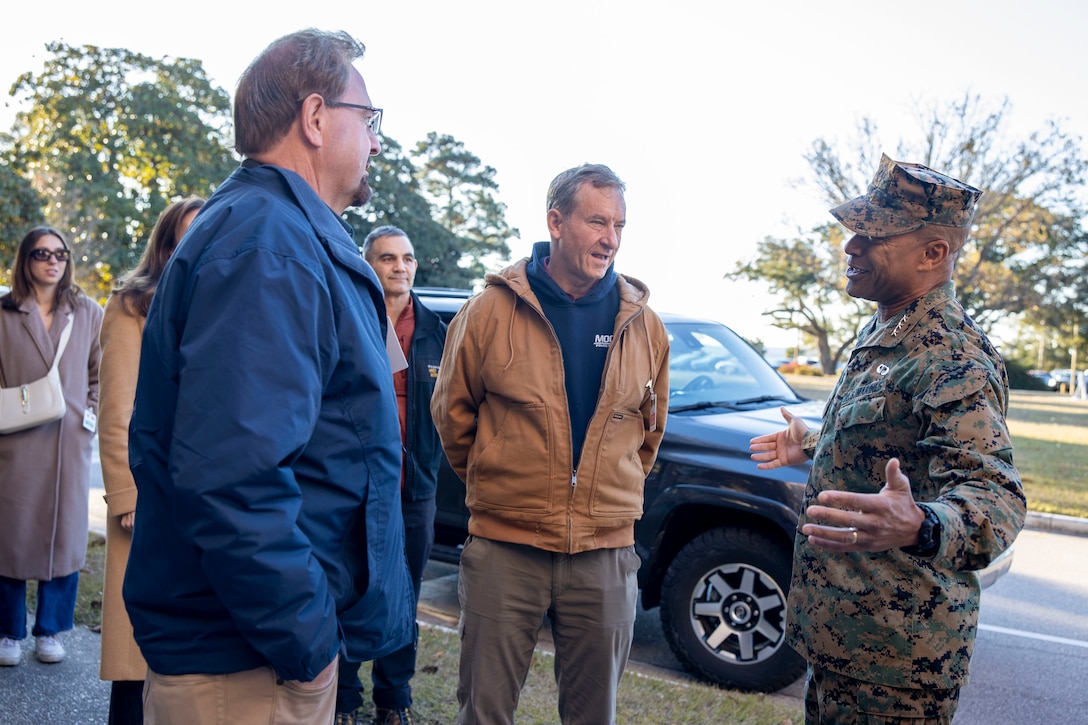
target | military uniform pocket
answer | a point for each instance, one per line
(860, 412)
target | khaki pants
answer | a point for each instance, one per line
(507, 590)
(240, 698)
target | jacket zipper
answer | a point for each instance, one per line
(574, 471)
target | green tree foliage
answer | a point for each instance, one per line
(1028, 227)
(445, 200)
(397, 200)
(110, 138)
(463, 193)
(1027, 249)
(807, 273)
(21, 207)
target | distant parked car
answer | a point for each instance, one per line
(1045, 378)
(716, 536)
(1060, 380)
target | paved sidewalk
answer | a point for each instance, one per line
(67, 692)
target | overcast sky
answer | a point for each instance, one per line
(703, 108)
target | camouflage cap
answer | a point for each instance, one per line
(905, 197)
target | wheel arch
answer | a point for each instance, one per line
(695, 512)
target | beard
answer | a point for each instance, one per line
(362, 193)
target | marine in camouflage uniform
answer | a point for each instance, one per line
(888, 632)
(928, 388)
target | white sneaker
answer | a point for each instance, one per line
(11, 653)
(49, 649)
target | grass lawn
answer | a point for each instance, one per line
(1050, 447)
(640, 700)
(1050, 444)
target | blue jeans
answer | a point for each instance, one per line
(56, 606)
(392, 674)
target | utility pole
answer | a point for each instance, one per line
(1073, 359)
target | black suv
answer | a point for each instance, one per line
(716, 536)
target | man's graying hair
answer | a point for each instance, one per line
(563, 187)
(274, 85)
(387, 230)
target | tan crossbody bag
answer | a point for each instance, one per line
(36, 403)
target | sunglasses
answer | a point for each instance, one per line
(43, 255)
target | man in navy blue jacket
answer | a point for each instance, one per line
(264, 440)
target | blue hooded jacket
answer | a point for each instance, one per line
(265, 445)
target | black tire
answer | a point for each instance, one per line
(723, 610)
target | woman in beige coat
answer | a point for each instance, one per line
(45, 471)
(122, 328)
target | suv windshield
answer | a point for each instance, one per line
(710, 366)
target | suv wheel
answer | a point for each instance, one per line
(723, 610)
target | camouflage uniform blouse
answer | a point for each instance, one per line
(929, 388)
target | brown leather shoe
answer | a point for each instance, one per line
(403, 716)
(346, 718)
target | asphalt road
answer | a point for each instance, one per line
(1030, 663)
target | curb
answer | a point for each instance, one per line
(1056, 523)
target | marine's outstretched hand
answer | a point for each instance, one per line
(866, 521)
(782, 448)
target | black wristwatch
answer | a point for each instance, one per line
(929, 535)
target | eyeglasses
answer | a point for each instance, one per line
(374, 120)
(43, 255)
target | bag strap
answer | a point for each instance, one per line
(64, 335)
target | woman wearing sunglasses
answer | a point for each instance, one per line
(45, 470)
